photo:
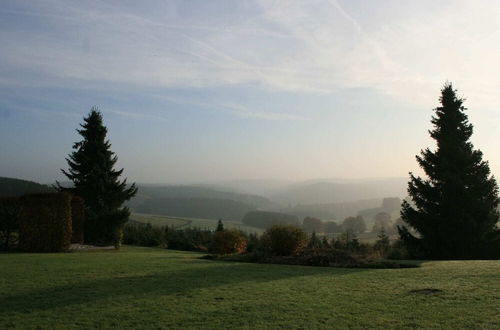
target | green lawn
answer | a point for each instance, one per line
(155, 288)
(181, 223)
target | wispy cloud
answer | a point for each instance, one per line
(135, 115)
(238, 110)
(45, 112)
(317, 46)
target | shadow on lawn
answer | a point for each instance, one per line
(179, 283)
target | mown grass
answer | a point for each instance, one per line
(155, 288)
(183, 223)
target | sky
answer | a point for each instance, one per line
(196, 91)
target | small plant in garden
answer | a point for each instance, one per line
(284, 240)
(228, 242)
(314, 241)
(383, 243)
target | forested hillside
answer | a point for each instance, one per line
(17, 187)
(207, 208)
(332, 211)
(340, 191)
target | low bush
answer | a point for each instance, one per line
(228, 242)
(45, 222)
(284, 240)
(144, 235)
(317, 257)
(253, 242)
(349, 241)
(383, 244)
(189, 239)
(398, 251)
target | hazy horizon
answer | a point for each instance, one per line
(199, 91)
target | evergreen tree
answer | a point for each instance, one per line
(382, 244)
(454, 210)
(324, 242)
(220, 226)
(314, 241)
(91, 170)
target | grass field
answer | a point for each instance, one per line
(181, 223)
(155, 288)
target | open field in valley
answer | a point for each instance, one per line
(183, 223)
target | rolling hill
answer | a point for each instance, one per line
(18, 187)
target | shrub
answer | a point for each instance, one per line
(10, 208)
(398, 251)
(314, 241)
(45, 222)
(253, 242)
(189, 239)
(77, 219)
(382, 244)
(284, 240)
(325, 257)
(144, 235)
(228, 242)
(349, 241)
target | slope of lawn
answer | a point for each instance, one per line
(155, 289)
(182, 223)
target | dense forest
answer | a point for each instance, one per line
(18, 187)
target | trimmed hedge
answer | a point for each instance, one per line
(45, 222)
(77, 219)
(10, 208)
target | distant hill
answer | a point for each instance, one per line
(340, 191)
(181, 191)
(332, 211)
(18, 187)
(196, 202)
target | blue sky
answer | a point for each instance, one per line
(219, 90)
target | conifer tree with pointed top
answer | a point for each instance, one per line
(91, 170)
(453, 213)
(220, 226)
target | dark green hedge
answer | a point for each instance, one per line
(45, 222)
(10, 208)
(77, 219)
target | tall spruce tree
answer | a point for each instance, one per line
(454, 210)
(91, 169)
